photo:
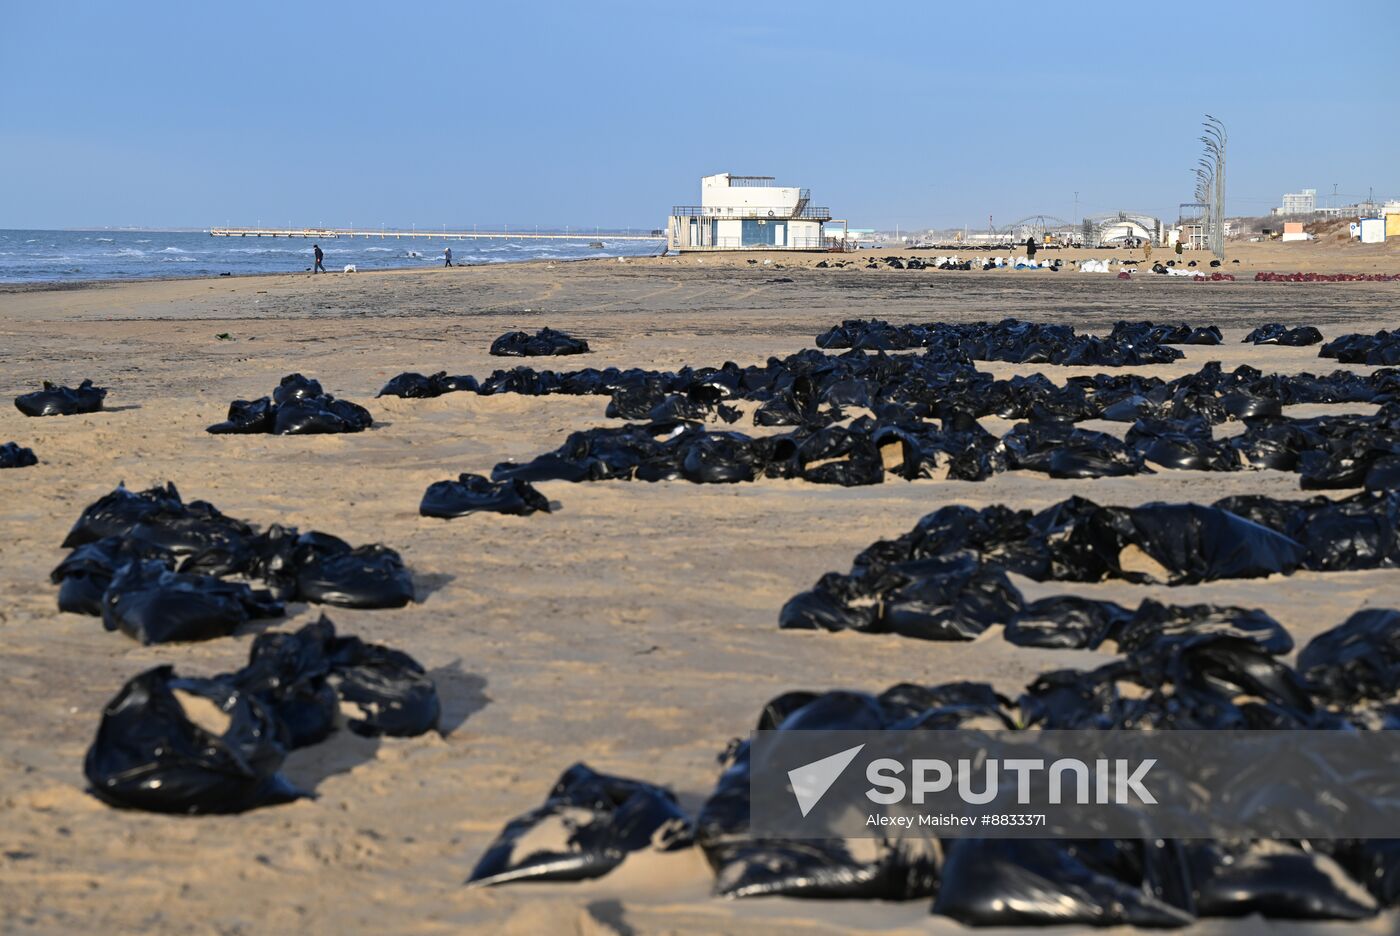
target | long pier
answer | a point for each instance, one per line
(333, 233)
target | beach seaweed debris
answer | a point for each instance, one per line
(543, 343)
(472, 493)
(175, 556)
(215, 745)
(55, 400)
(14, 455)
(298, 406)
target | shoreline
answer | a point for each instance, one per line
(1310, 257)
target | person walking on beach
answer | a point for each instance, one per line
(319, 268)
(447, 255)
(1030, 248)
(1146, 249)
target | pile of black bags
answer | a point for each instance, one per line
(14, 455)
(215, 745)
(415, 386)
(156, 568)
(918, 413)
(1277, 334)
(1176, 677)
(1382, 348)
(1017, 342)
(946, 578)
(544, 343)
(298, 406)
(54, 400)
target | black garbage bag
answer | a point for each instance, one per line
(1358, 532)
(1063, 451)
(151, 754)
(825, 869)
(316, 415)
(1359, 659)
(1382, 348)
(832, 605)
(147, 601)
(1383, 474)
(289, 673)
(1375, 863)
(54, 400)
(1181, 444)
(85, 573)
(1274, 879)
(1066, 621)
(1278, 334)
(309, 677)
(1195, 543)
(1043, 882)
(327, 570)
(390, 690)
(211, 542)
(296, 387)
(882, 868)
(14, 455)
(412, 385)
(721, 458)
(246, 417)
(587, 826)
(116, 513)
(544, 342)
(947, 598)
(1241, 404)
(472, 493)
(298, 406)
(1153, 620)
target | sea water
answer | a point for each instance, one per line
(73, 256)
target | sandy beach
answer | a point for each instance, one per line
(635, 629)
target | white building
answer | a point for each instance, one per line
(747, 213)
(1299, 203)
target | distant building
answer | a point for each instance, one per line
(747, 213)
(1299, 203)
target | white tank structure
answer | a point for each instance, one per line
(747, 213)
(1126, 227)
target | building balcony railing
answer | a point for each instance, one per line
(809, 213)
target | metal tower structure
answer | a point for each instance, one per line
(1210, 183)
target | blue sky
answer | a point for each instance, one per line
(525, 113)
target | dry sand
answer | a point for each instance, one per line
(634, 630)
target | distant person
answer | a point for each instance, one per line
(1146, 249)
(1030, 248)
(319, 268)
(1178, 247)
(447, 256)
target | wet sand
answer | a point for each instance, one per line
(635, 629)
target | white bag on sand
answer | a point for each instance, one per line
(350, 268)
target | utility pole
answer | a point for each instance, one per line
(1076, 209)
